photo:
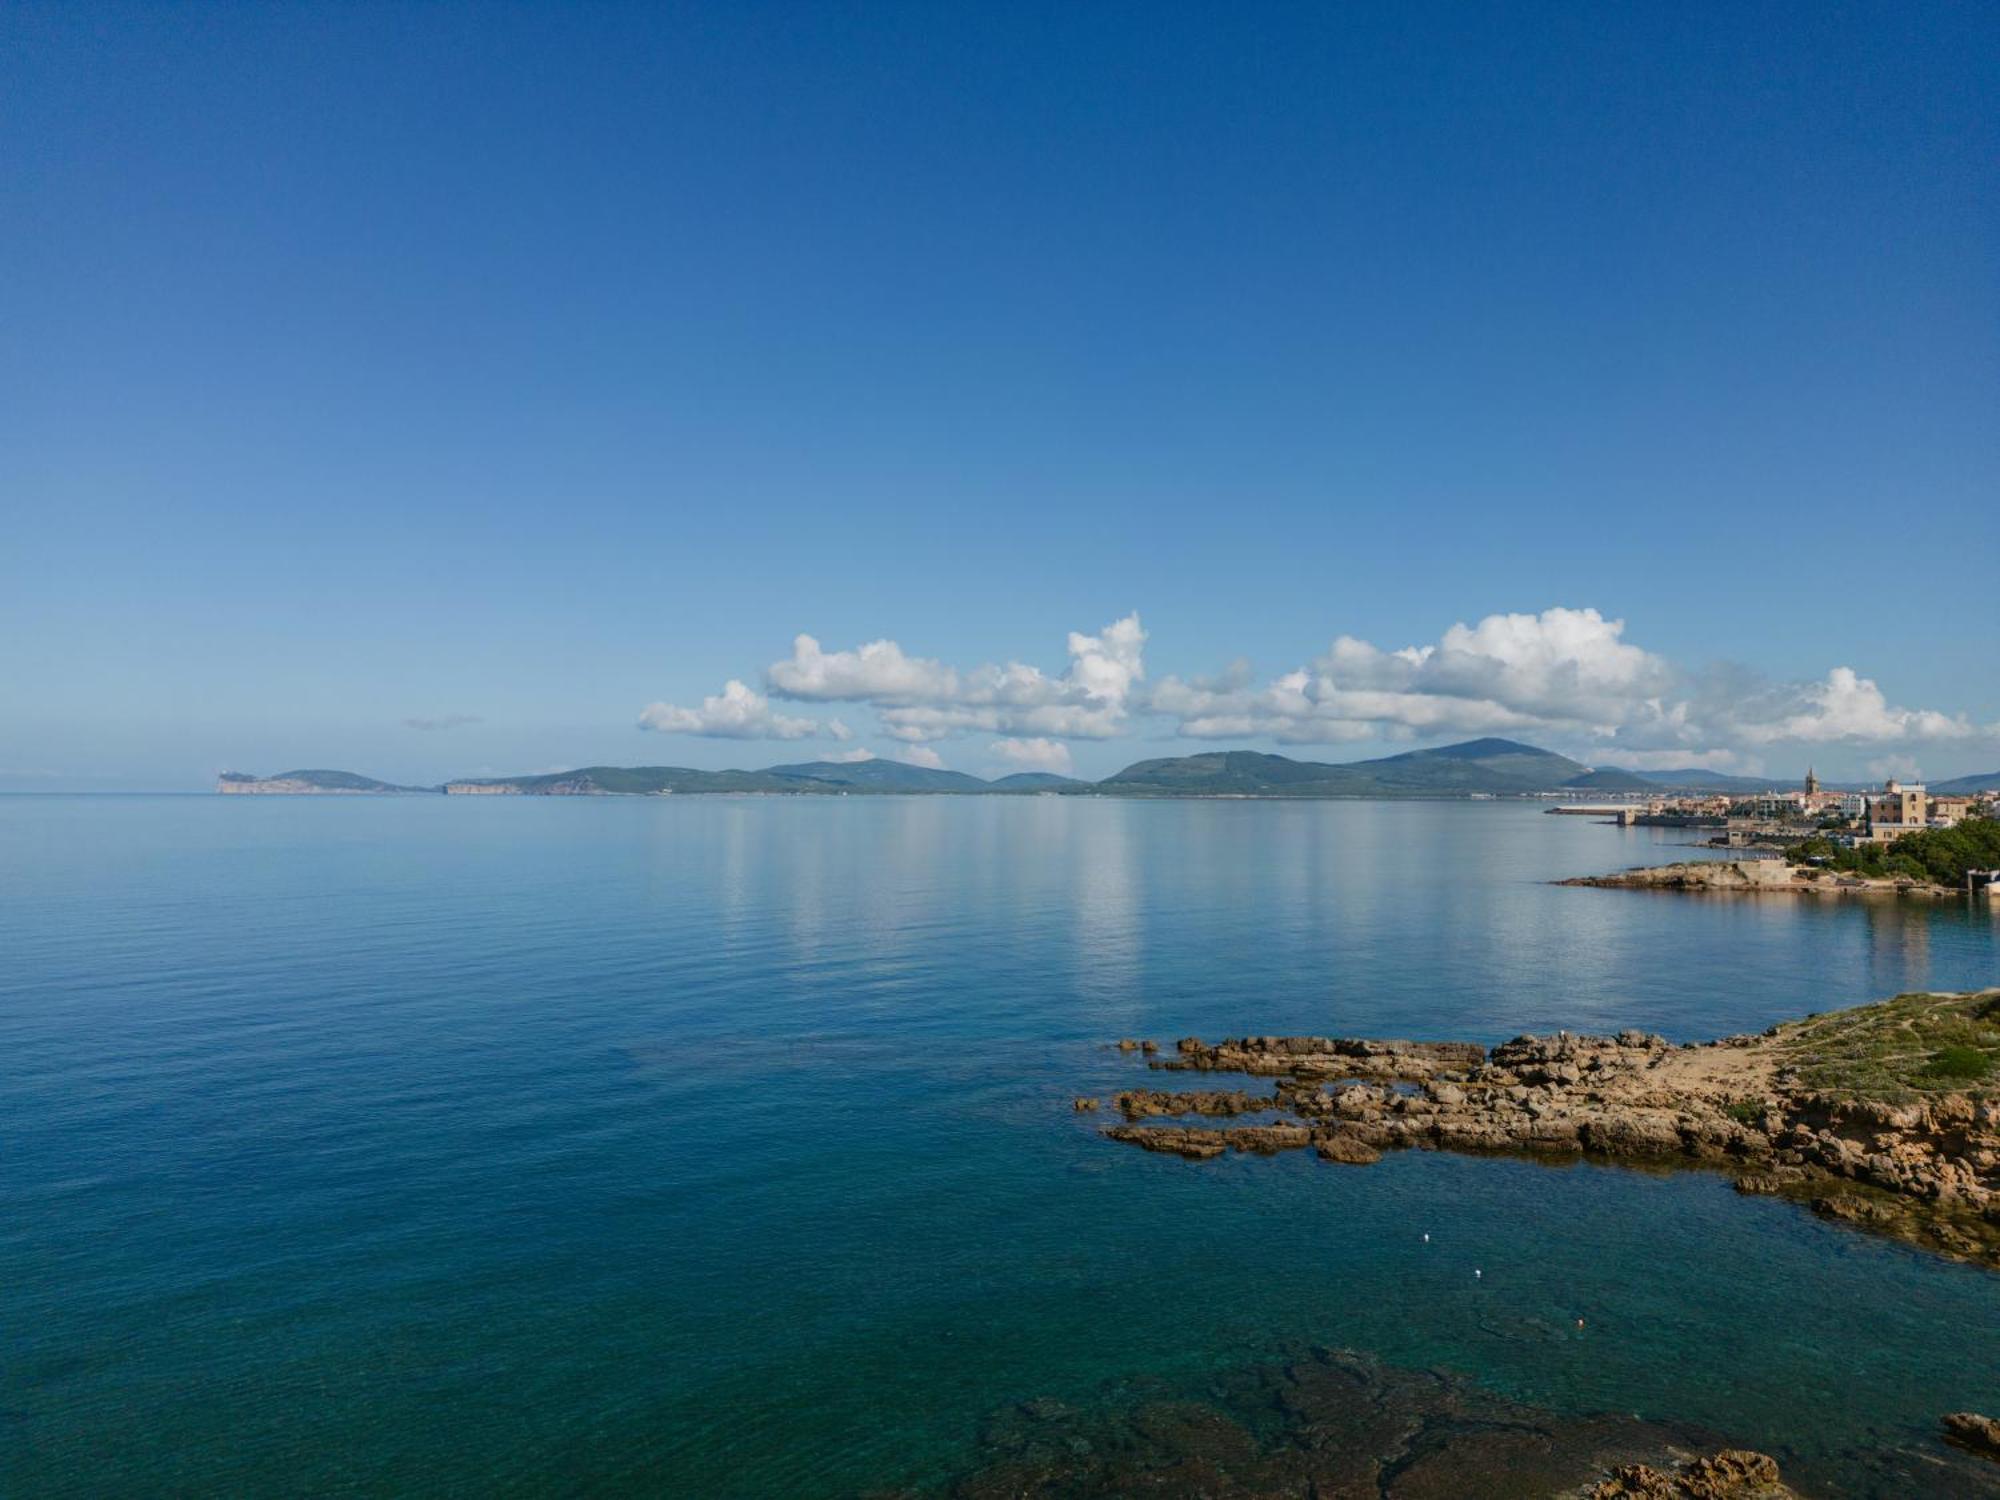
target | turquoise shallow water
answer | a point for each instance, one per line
(722, 1147)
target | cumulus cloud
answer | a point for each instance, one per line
(918, 699)
(921, 755)
(1733, 761)
(738, 712)
(1901, 767)
(1035, 755)
(1569, 668)
(848, 757)
(1564, 674)
(1849, 707)
(1566, 678)
(441, 721)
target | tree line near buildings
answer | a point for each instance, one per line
(1939, 855)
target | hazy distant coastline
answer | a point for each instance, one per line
(1475, 768)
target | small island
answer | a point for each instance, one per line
(1886, 1117)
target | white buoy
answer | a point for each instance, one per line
(1477, 1273)
(1427, 1238)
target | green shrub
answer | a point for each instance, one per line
(1960, 1062)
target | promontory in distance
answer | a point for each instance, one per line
(1474, 768)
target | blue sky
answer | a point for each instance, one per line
(522, 368)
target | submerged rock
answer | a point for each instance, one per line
(1332, 1424)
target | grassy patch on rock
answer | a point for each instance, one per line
(1899, 1049)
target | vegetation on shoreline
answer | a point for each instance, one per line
(1886, 1116)
(1899, 1049)
(1938, 855)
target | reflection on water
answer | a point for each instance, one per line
(722, 1146)
(1105, 894)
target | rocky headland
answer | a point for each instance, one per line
(1757, 877)
(1885, 1117)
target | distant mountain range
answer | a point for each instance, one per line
(1699, 779)
(1968, 786)
(1484, 767)
(821, 776)
(1488, 766)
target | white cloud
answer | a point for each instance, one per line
(1567, 675)
(1564, 668)
(1035, 755)
(1899, 767)
(921, 755)
(1732, 761)
(1565, 678)
(919, 700)
(736, 713)
(848, 757)
(1847, 706)
(878, 672)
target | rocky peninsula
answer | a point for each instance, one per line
(1758, 877)
(1886, 1117)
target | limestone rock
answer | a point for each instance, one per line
(1970, 1430)
(1346, 1147)
(1733, 1474)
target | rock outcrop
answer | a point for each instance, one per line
(1827, 1111)
(1974, 1433)
(1759, 877)
(1733, 1474)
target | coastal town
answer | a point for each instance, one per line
(1898, 841)
(1814, 811)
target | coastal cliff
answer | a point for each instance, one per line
(1886, 1117)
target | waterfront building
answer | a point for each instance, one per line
(1897, 809)
(1946, 811)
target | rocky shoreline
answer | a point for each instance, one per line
(1761, 877)
(1885, 1117)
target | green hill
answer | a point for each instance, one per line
(1034, 781)
(1696, 779)
(1489, 766)
(1610, 779)
(307, 782)
(1968, 786)
(643, 781)
(882, 776)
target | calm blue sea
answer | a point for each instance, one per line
(722, 1147)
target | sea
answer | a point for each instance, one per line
(723, 1146)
